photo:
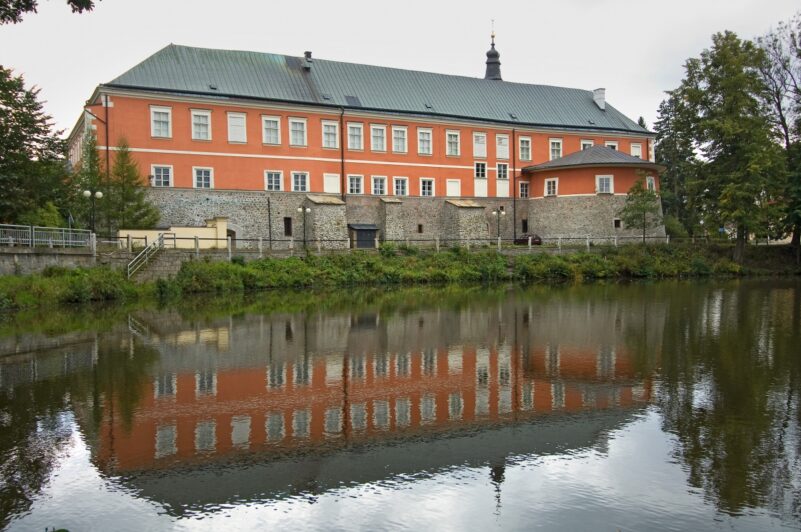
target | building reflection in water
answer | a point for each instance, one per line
(286, 384)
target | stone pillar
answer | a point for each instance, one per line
(392, 217)
(326, 222)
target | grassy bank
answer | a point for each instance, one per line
(392, 266)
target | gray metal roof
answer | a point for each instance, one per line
(595, 156)
(226, 73)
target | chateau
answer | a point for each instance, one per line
(273, 142)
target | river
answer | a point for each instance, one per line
(644, 406)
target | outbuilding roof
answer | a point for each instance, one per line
(263, 76)
(596, 156)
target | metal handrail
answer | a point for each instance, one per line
(32, 236)
(145, 255)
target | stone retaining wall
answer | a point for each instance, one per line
(581, 216)
(398, 218)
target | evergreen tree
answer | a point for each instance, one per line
(87, 176)
(675, 150)
(32, 166)
(641, 210)
(641, 123)
(744, 171)
(126, 205)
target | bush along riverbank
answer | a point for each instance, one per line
(392, 266)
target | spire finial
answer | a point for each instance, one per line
(493, 59)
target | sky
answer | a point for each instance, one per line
(634, 48)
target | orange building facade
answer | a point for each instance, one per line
(196, 121)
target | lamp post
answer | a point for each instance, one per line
(498, 214)
(305, 211)
(93, 196)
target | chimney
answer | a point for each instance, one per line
(307, 55)
(599, 97)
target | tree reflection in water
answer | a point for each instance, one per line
(725, 357)
(729, 392)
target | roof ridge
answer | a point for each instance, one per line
(383, 67)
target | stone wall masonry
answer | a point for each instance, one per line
(328, 225)
(581, 216)
(247, 212)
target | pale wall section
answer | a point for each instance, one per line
(212, 235)
(581, 216)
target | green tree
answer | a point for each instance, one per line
(641, 123)
(126, 204)
(87, 175)
(641, 210)
(32, 166)
(11, 11)
(743, 173)
(781, 73)
(675, 150)
(47, 216)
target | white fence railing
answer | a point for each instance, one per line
(53, 237)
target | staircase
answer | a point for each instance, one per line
(145, 256)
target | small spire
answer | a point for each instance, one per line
(493, 59)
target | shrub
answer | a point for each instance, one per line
(388, 249)
(239, 260)
(674, 228)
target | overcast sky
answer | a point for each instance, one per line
(633, 48)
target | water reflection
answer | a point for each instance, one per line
(195, 407)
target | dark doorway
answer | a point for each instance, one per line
(362, 235)
(232, 235)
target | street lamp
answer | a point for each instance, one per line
(498, 214)
(305, 211)
(92, 196)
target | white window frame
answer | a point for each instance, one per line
(475, 170)
(395, 181)
(296, 120)
(650, 183)
(498, 152)
(199, 112)
(360, 127)
(433, 187)
(586, 143)
(478, 152)
(264, 119)
(611, 184)
(405, 139)
(551, 143)
(160, 109)
(383, 129)
(498, 171)
(211, 176)
(458, 134)
(323, 125)
(244, 117)
(292, 175)
(153, 173)
(280, 180)
(520, 185)
(555, 181)
(374, 179)
(420, 131)
(521, 140)
(361, 183)
(612, 143)
(636, 146)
